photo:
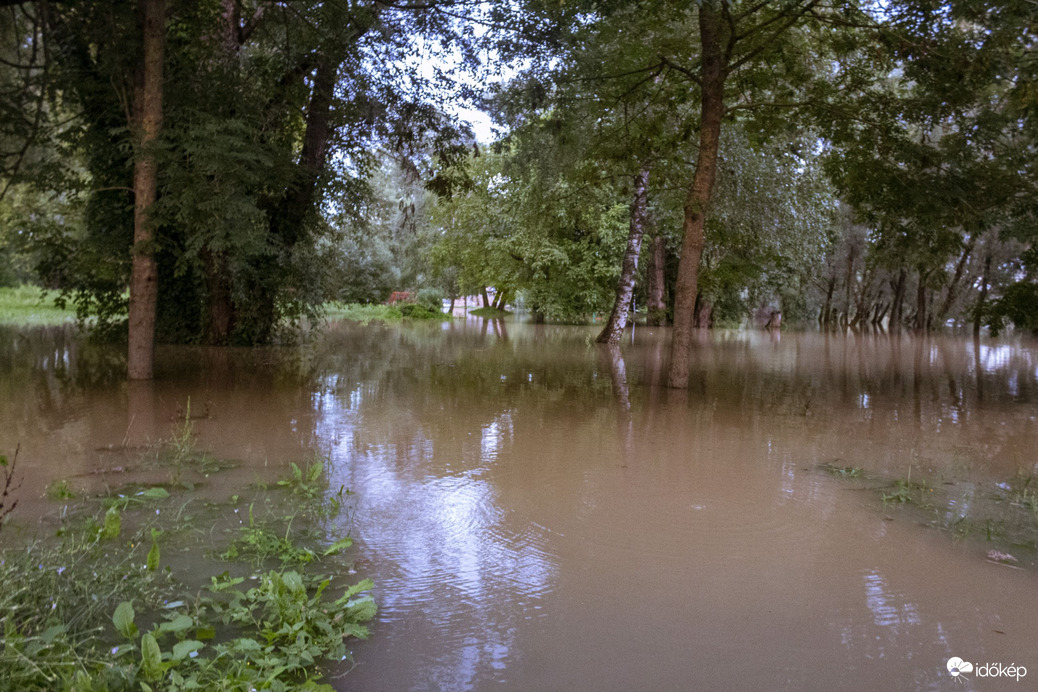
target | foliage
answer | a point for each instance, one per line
(363, 313)
(1019, 306)
(551, 234)
(255, 103)
(431, 299)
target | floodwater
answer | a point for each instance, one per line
(538, 513)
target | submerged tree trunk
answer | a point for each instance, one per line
(978, 314)
(827, 309)
(656, 283)
(614, 327)
(144, 288)
(898, 301)
(953, 287)
(712, 76)
(922, 322)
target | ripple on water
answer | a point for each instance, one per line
(443, 546)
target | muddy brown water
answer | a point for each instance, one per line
(539, 514)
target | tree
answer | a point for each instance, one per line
(231, 194)
(940, 157)
(147, 121)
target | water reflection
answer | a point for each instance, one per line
(542, 513)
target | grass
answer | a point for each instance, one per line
(489, 312)
(31, 305)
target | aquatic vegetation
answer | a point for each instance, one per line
(60, 490)
(842, 471)
(108, 604)
(180, 450)
(1006, 514)
(7, 502)
(308, 481)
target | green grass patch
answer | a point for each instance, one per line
(31, 305)
(492, 313)
(1003, 514)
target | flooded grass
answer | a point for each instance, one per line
(30, 305)
(1001, 516)
(118, 596)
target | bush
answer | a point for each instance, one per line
(417, 311)
(431, 298)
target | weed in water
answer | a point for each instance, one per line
(308, 482)
(98, 611)
(60, 490)
(842, 471)
(7, 502)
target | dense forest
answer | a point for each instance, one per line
(216, 171)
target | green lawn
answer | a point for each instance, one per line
(31, 305)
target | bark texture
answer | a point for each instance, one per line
(614, 328)
(712, 76)
(148, 116)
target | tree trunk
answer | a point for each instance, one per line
(953, 287)
(712, 76)
(978, 315)
(852, 255)
(614, 328)
(144, 273)
(655, 305)
(221, 317)
(921, 321)
(898, 301)
(827, 309)
(291, 213)
(486, 297)
(451, 311)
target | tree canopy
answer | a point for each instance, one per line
(840, 161)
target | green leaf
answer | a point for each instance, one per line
(152, 563)
(51, 633)
(293, 582)
(123, 620)
(182, 650)
(338, 546)
(151, 657)
(362, 610)
(178, 624)
(363, 585)
(155, 493)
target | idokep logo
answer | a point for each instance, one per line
(957, 667)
